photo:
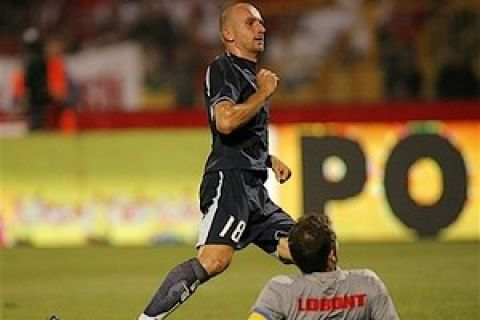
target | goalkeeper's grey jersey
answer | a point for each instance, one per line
(340, 294)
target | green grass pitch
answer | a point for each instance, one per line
(428, 280)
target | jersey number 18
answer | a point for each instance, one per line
(237, 232)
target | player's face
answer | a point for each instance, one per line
(248, 31)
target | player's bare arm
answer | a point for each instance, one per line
(230, 116)
(283, 250)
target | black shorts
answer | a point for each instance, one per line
(237, 211)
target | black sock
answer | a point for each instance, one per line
(179, 285)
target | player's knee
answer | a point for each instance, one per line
(215, 261)
(216, 265)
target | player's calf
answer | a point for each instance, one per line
(177, 287)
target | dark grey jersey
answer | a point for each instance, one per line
(340, 294)
(234, 79)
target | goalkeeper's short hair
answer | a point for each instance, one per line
(310, 241)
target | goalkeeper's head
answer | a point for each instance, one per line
(313, 244)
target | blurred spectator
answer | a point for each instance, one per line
(402, 77)
(397, 36)
(456, 75)
(156, 28)
(29, 84)
(301, 43)
(287, 45)
(42, 86)
(157, 33)
(198, 32)
(456, 78)
(184, 71)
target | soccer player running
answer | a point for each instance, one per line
(323, 291)
(236, 207)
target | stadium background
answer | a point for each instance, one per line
(123, 165)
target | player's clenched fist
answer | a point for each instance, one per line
(267, 81)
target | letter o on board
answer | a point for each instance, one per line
(426, 219)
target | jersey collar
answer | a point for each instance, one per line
(242, 62)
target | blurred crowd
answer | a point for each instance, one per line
(325, 51)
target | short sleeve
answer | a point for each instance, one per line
(269, 303)
(381, 304)
(221, 83)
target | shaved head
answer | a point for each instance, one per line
(231, 10)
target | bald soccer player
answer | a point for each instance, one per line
(323, 291)
(236, 207)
